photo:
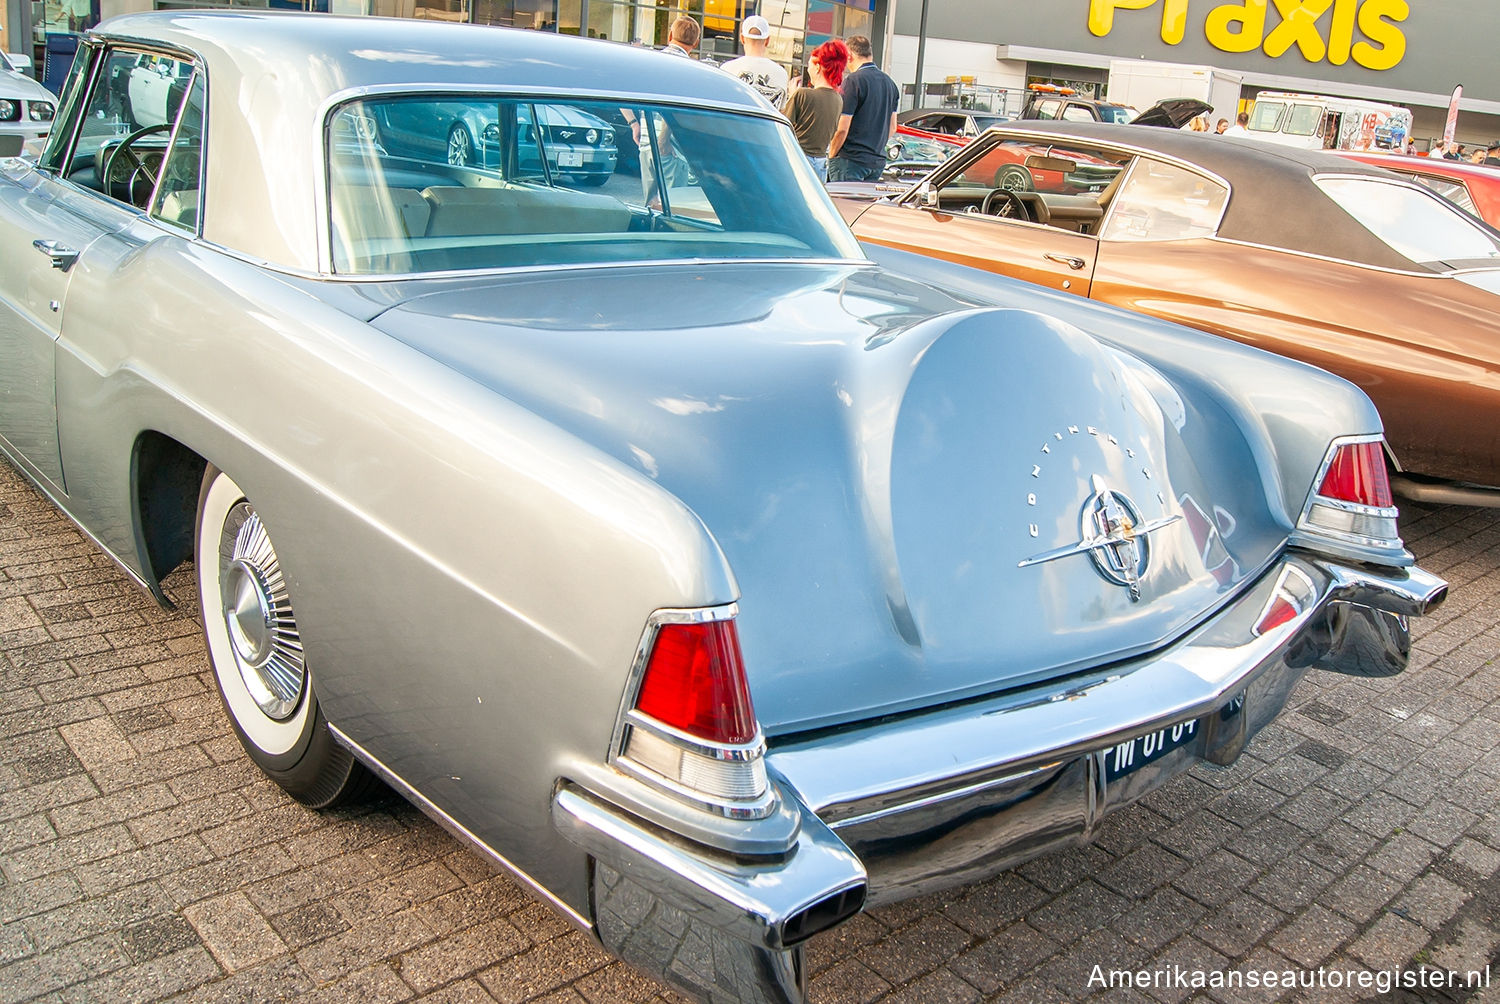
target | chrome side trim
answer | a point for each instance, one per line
(458, 829)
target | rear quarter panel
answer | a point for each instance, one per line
(471, 583)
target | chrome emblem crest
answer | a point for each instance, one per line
(1113, 535)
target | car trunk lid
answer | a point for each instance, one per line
(894, 491)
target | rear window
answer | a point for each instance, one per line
(461, 182)
(1414, 223)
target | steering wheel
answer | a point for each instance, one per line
(1007, 204)
(134, 169)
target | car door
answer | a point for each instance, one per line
(55, 223)
(1040, 254)
(45, 231)
(1043, 233)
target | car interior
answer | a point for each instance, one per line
(1075, 189)
(399, 206)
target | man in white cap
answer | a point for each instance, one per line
(755, 67)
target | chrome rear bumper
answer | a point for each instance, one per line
(947, 797)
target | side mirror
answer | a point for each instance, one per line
(929, 196)
(19, 61)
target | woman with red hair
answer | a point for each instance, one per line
(814, 111)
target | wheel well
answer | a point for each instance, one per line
(167, 476)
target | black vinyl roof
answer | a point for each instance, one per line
(1273, 200)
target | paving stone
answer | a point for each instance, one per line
(1312, 936)
(463, 954)
(1390, 942)
(537, 971)
(1362, 894)
(234, 931)
(1003, 959)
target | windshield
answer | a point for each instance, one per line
(1414, 223)
(461, 182)
(1266, 116)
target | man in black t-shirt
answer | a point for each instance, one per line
(857, 152)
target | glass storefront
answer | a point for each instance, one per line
(797, 26)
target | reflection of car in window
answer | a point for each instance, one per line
(578, 145)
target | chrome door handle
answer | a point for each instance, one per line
(62, 257)
(1064, 259)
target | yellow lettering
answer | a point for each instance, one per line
(1102, 13)
(1299, 25)
(1341, 35)
(1250, 16)
(1376, 19)
(1173, 21)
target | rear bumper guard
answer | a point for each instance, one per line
(948, 797)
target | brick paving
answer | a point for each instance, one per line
(143, 858)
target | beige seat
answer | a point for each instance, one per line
(473, 212)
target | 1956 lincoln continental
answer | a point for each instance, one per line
(713, 577)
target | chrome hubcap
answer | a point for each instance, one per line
(262, 633)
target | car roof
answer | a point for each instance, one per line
(331, 52)
(1265, 179)
(1425, 165)
(272, 76)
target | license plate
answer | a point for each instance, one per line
(1134, 754)
(569, 158)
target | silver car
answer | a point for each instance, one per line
(714, 576)
(26, 107)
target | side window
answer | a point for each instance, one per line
(179, 194)
(1048, 108)
(1163, 202)
(122, 138)
(74, 91)
(1077, 113)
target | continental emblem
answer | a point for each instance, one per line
(1113, 535)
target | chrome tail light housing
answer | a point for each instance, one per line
(1350, 510)
(687, 725)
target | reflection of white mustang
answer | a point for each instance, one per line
(153, 85)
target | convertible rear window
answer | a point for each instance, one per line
(456, 182)
(1414, 223)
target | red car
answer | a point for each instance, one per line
(1474, 188)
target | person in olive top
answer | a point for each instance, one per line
(857, 152)
(814, 111)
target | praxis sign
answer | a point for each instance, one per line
(1366, 32)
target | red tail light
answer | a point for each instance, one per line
(1357, 474)
(695, 682)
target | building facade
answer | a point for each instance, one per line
(796, 25)
(1396, 51)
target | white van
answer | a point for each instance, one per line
(1319, 122)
